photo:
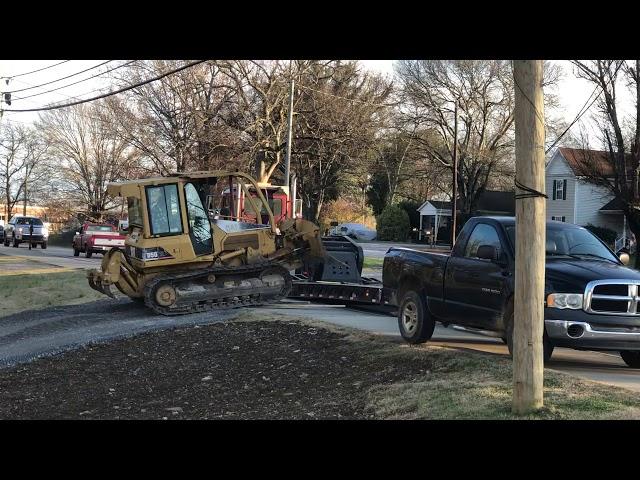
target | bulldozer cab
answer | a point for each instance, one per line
(189, 217)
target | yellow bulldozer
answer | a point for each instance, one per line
(202, 241)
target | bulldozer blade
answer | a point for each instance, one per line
(95, 282)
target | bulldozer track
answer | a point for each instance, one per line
(224, 303)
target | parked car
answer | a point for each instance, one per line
(96, 238)
(1, 234)
(18, 231)
(357, 231)
(591, 298)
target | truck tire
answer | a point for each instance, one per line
(87, 252)
(547, 346)
(76, 252)
(415, 323)
(43, 245)
(631, 358)
(16, 243)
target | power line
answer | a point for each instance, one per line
(582, 111)
(34, 71)
(108, 94)
(75, 83)
(59, 79)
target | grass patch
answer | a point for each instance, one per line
(29, 292)
(373, 262)
(468, 385)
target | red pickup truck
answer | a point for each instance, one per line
(96, 238)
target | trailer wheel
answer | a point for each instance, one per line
(416, 325)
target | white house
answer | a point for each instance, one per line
(572, 199)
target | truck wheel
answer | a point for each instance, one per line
(87, 252)
(547, 346)
(43, 245)
(416, 325)
(76, 252)
(16, 243)
(631, 358)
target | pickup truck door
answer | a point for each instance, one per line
(475, 288)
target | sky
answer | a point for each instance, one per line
(572, 92)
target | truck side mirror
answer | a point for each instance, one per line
(624, 258)
(487, 252)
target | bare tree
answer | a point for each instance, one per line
(180, 122)
(617, 167)
(484, 92)
(87, 155)
(22, 170)
(339, 112)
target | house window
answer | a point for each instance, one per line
(559, 219)
(559, 189)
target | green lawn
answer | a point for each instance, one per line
(34, 291)
(373, 262)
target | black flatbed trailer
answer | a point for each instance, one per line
(338, 279)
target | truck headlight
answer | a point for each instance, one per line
(45, 232)
(565, 300)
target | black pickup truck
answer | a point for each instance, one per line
(592, 301)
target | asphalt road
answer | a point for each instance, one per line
(59, 256)
(379, 249)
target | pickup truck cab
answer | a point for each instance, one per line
(96, 238)
(591, 298)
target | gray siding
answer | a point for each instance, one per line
(590, 198)
(558, 169)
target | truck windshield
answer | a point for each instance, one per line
(573, 242)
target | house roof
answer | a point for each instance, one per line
(578, 159)
(440, 205)
(496, 201)
(613, 205)
(489, 201)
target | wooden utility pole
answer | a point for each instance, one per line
(24, 208)
(287, 159)
(454, 195)
(530, 238)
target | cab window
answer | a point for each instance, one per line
(164, 210)
(482, 234)
(199, 226)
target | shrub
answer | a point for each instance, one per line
(393, 224)
(607, 235)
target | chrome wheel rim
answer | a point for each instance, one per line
(410, 317)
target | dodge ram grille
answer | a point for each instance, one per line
(614, 297)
